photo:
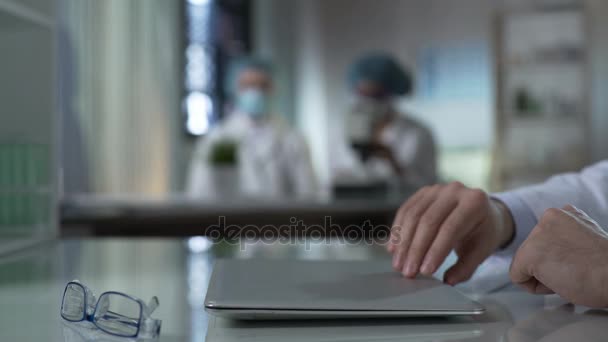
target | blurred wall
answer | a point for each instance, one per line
(598, 29)
(124, 67)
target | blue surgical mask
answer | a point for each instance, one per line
(374, 109)
(253, 102)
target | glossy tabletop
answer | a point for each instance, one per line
(178, 271)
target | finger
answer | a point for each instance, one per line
(450, 232)
(396, 232)
(412, 201)
(390, 247)
(523, 264)
(542, 289)
(397, 222)
(534, 286)
(408, 228)
(528, 284)
(463, 269)
(396, 226)
(426, 232)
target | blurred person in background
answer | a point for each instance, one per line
(252, 152)
(381, 142)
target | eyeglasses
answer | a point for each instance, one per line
(115, 313)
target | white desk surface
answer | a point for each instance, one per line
(31, 285)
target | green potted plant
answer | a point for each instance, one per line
(224, 162)
(224, 153)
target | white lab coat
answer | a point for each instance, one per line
(411, 143)
(273, 160)
(586, 190)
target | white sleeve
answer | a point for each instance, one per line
(301, 175)
(586, 190)
(417, 155)
(344, 162)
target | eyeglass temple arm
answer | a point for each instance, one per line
(150, 327)
(152, 304)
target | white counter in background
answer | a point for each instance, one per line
(183, 216)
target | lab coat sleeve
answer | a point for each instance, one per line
(523, 219)
(345, 163)
(587, 190)
(419, 161)
(300, 172)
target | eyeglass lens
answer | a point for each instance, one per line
(118, 315)
(73, 304)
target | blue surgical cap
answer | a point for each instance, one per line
(241, 64)
(383, 70)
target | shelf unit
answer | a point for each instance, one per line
(29, 123)
(542, 84)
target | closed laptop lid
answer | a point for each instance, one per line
(260, 284)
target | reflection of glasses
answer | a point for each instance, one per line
(115, 313)
(78, 332)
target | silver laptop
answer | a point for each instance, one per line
(290, 289)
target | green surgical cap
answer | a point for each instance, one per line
(383, 70)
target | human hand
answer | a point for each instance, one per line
(380, 150)
(566, 254)
(442, 218)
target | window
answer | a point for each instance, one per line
(200, 71)
(216, 31)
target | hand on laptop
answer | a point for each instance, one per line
(566, 253)
(442, 218)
